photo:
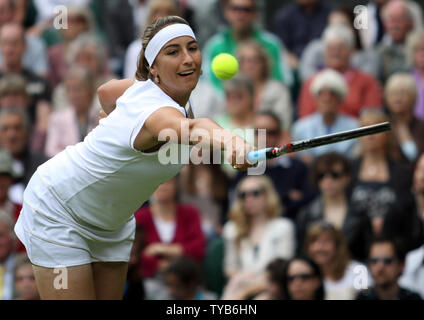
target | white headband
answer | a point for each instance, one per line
(163, 36)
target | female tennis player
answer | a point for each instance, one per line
(78, 207)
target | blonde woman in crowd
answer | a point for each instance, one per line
(254, 236)
(400, 94)
(326, 246)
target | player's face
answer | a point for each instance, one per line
(178, 66)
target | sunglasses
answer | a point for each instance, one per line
(301, 276)
(244, 9)
(386, 260)
(333, 174)
(254, 193)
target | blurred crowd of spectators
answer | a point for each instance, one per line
(343, 221)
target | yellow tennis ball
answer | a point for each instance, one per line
(225, 66)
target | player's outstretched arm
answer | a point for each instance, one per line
(110, 91)
(202, 130)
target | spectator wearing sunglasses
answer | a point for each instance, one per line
(255, 234)
(303, 280)
(386, 263)
(326, 246)
(241, 16)
(331, 175)
(329, 89)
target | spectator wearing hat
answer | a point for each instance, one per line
(328, 90)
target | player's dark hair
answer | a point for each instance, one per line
(143, 69)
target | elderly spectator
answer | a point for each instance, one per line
(363, 89)
(326, 246)
(270, 95)
(331, 173)
(90, 53)
(386, 261)
(415, 58)
(241, 16)
(35, 53)
(312, 59)
(70, 125)
(25, 286)
(7, 256)
(398, 22)
(254, 235)
(14, 135)
(329, 90)
(303, 280)
(400, 95)
(300, 22)
(80, 21)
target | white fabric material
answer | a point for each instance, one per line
(104, 180)
(163, 36)
(87, 194)
(165, 229)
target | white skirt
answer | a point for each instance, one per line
(55, 238)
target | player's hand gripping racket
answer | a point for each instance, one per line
(270, 153)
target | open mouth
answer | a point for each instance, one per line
(186, 73)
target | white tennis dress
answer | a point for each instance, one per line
(78, 206)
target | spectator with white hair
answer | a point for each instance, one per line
(363, 89)
(328, 90)
(7, 256)
(398, 22)
(415, 59)
(400, 96)
(312, 59)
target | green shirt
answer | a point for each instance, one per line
(224, 42)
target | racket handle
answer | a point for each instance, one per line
(257, 155)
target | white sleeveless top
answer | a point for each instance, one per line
(104, 180)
